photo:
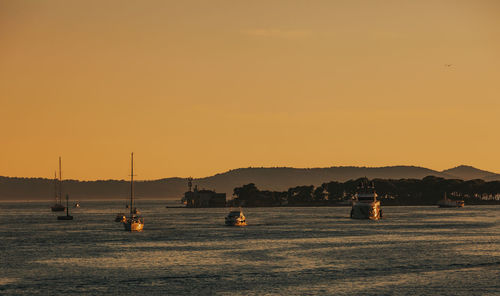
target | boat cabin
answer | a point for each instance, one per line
(234, 214)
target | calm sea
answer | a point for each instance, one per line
(283, 251)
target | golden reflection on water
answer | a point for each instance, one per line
(295, 251)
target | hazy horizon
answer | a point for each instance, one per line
(201, 87)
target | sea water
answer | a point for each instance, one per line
(282, 251)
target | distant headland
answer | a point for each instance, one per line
(265, 178)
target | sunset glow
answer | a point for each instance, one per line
(195, 88)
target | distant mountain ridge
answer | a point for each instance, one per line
(466, 172)
(268, 178)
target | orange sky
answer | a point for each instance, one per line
(199, 87)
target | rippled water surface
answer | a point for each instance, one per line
(293, 251)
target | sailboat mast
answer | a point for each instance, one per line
(55, 187)
(132, 184)
(67, 205)
(60, 181)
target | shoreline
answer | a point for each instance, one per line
(169, 205)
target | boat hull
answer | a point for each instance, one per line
(452, 204)
(65, 217)
(58, 208)
(133, 226)
(447, 206)
(235, 223)
(364, 210)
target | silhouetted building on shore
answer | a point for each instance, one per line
(203, 198)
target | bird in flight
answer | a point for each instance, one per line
(447, 65)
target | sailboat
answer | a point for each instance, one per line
(58, 207)
(133, 222)
(67, 217)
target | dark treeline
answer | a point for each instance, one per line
(391, 191)
(426, 191)
(44, 189)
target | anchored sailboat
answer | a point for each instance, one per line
(134, 222)
(67, 217)
(58, 207)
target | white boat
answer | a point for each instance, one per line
(449, 203)
(366, 205)
(133, 222)
(236, 218)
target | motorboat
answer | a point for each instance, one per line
(236, 218)
(366, 205)
(450, 203)
(120, 217)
